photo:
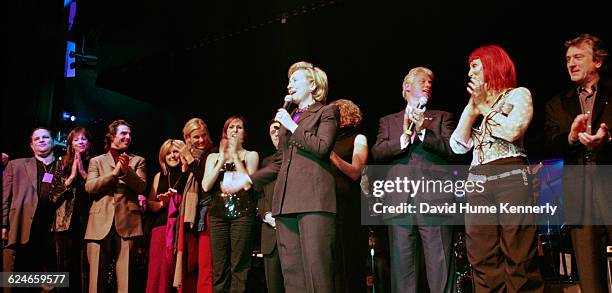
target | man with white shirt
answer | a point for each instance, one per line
(420, 139)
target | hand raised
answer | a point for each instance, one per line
(239, 181)
(285, 119)
(125, 162)
(579, 125)
(594, 141)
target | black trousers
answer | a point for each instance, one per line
(589, 245)
(503, 256)
(305, 243)
(437, 242)
(274, 274)
(231, 243)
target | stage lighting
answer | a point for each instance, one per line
(69, 67)
(66, 116)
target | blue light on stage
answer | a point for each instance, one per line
(70, 66)
(71, 14)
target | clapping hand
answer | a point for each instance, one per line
(5, 159)
(122, 165)
(579, 125)
(416, 116)
(165, 197)
(79, 165)
(594, 141)
(239, 181)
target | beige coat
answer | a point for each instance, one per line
(115, 199)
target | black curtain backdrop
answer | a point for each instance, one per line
(161, 62)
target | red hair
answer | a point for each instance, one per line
(499, 71)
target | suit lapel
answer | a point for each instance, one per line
(398, 124)
(32, 169)
(601, 102)
(108, 160)
(428, 118)
(311, 110)
(572, 104)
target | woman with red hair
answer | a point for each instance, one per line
(501, 246)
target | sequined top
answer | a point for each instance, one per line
(230, 206)
(500, 134)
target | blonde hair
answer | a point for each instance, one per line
(314, 74)
(166, 148)
(192, 125)
(409, 78)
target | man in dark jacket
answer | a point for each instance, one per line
(577, 128)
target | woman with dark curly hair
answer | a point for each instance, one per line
(348, 158)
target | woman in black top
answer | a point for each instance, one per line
(232, 216)
(72, 201)
(164, 201)
(349, 158)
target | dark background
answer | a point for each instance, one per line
(163, 62)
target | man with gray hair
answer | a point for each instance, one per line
(576, 127)
(417, 138)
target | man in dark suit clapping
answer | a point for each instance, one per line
(576, 127)
(420, 139)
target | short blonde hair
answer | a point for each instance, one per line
(165, 148)
(314, 74)
(192, 125)
(409, 78)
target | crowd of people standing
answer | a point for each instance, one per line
(83, 213)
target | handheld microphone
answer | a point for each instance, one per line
(422, 103)
(288, 102)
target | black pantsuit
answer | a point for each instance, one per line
(305, 200)
(313, 236)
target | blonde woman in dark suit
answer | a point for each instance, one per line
(304, 203)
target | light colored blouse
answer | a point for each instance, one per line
(500, 135)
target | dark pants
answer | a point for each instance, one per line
(34, 256)
(503, 256)
(274, 274)
(69, 246)
(232, 249)
(305, 244)
(589, 246)
(436, 247)
(351, 255)
(38, 255)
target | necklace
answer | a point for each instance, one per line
(52, 164)
(176, 182)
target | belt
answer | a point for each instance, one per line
(483, 178)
